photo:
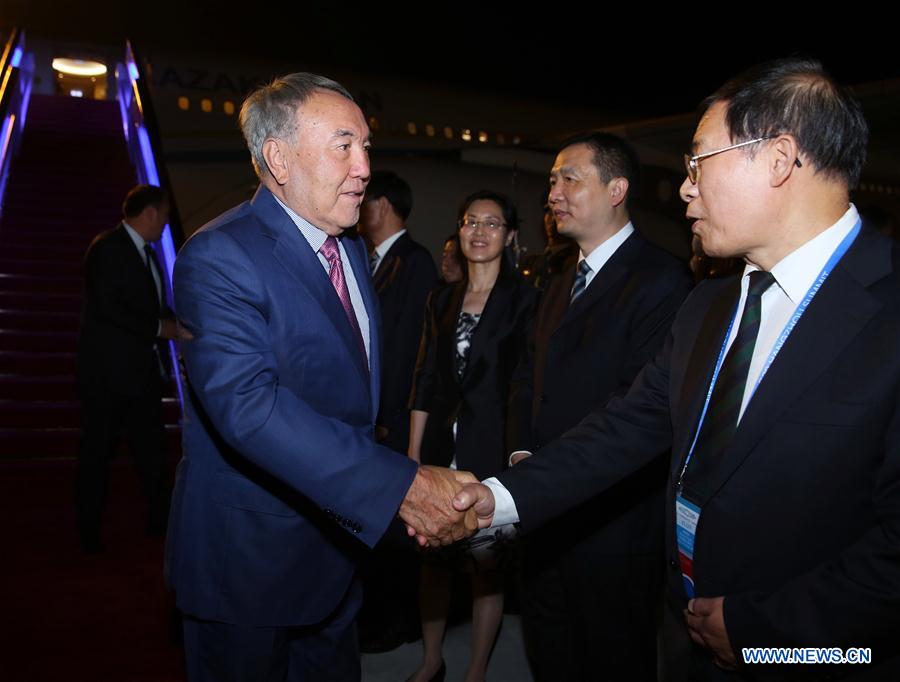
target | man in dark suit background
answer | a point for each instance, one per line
(120, 366)
(281, 486)
(403, 274)
(777, 392)
(600, 320)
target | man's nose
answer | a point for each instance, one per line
(361, 167)
(688, 190)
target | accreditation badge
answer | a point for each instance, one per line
(687, 515)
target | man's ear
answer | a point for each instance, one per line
(275, 160)
(618, 190)
(783, 153)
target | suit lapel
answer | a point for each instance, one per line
(701, 364)
(497, 303)
(295, 255)
(358, 256)
(140, 266)
(391, 262)
(836, 315)
(614, 269)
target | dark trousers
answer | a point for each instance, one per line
(105, 416)
(591, 618)
(325, 652)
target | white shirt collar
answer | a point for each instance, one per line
(796, 272)
(386, 245)
(597, 258)
(314, 236)
(138, 240)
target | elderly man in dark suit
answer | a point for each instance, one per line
(120, 364)
(282, 486)
(778, 394)
(600, 320)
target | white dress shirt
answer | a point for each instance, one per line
(316, 238)
(384, 247)
(597, 258)
(794, 275)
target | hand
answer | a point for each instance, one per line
(168, 329)
(706, 624)
(182, 332)
(427, 509)
(517, 457)
(476, 497)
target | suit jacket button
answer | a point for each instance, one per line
(543, 398)
(673, 564)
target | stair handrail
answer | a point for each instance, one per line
(144, 142)
(16, 79)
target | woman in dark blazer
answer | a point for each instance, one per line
(473, 337)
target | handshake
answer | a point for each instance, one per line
(443, 506)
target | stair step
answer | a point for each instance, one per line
(28, 320)
(37, 364)
(37, 340)
(34, 285)
(62, 442)
(42, 301)
(19, 414)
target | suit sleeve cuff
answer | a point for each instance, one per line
(505, 511)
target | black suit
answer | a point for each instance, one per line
(801, 532)
(606, 556)
(405, 276)
(119, 377)
(478, 402)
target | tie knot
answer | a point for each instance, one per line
(330, 248)
(760, 280)
(584, 268)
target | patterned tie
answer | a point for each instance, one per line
(580, 281)
(373, 261)
(725, 404)
(336, 274)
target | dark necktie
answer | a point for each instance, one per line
(153, 264)
(580, 281)
(373, 261)
(336, 274)
(728, 394)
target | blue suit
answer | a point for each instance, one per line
(281, 483)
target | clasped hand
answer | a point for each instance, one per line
(443, 506)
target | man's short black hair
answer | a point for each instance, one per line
(613, 157)
(797, 96)
(392, 187)
(142, 196)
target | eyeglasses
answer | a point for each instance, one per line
(692, 163)
(488, 224)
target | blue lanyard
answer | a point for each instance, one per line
(779, 343)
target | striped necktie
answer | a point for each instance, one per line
(728, 394)
(580, 280)
(336, 274)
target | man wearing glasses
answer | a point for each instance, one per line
(777, 392)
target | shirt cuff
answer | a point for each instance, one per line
(509, 462)
(505, 511)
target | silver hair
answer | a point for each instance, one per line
(270, 110)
